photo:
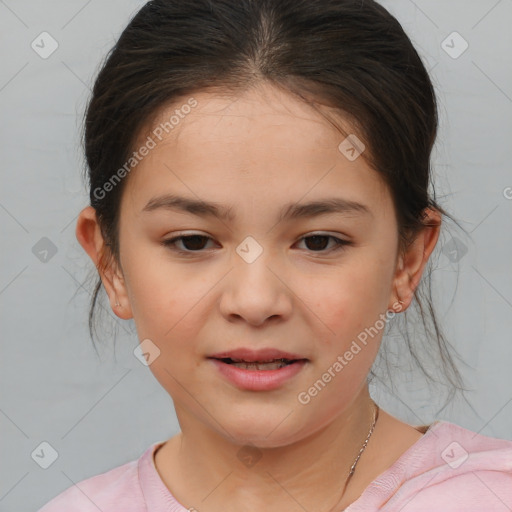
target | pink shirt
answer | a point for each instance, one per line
(449, 469)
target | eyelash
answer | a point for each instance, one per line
(171, 243)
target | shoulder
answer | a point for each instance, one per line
(117, 489)
(457, 469)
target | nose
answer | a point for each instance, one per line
(256, 292)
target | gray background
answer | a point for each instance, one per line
(100, 413)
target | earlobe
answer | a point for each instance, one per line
(413, 261)
(118, 297)
(88, 234)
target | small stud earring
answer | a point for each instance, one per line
(117, 303)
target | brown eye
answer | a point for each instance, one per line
(192, 243)
(318, 243)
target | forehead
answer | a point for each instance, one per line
(264, 142)
(264, 113)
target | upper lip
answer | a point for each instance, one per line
(251, 356)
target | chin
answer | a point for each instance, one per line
(264, 432)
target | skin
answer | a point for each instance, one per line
(257, 152)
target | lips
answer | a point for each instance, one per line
(262, 356)
(258, 370)
(261, 370)
(275, 364)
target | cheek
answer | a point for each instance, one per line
(155, 293)
(166, 300)
(347, 298)
(162, 308)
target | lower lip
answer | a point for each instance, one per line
(258, 380)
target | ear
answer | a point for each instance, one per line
(412, 262)
(88, 233)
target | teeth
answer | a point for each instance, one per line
(261, 362)
(261, 366)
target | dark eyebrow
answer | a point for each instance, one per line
(290, 211)
(323, 207)
(194, 206)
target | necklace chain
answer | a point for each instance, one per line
(375, 417)
(353, 467)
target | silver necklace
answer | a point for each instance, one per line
(375, 417)
(353, 467)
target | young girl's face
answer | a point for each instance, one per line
(254, 281)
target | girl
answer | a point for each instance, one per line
(259, 174)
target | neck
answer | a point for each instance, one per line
(309, 473)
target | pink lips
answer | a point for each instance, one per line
(257, 380)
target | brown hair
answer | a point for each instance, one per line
(350, 55)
